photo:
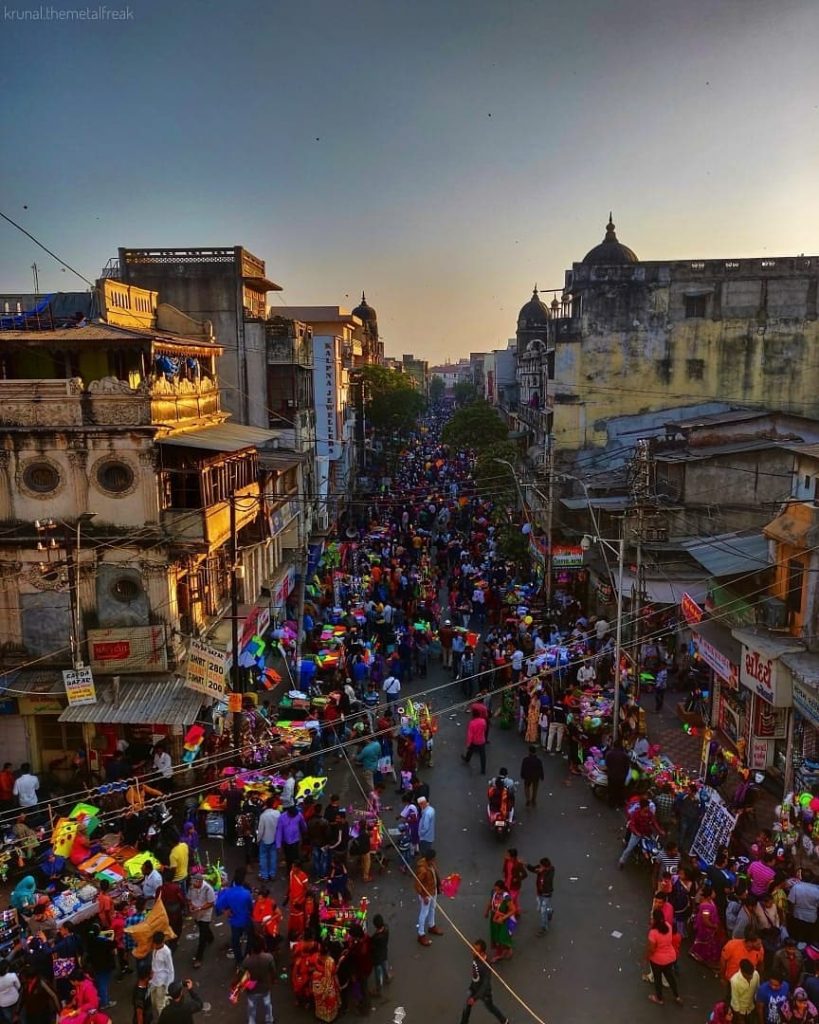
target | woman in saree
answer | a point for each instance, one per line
(326, 990)
(708, 934)
(500, 910)
(296, 900)
(305, 959)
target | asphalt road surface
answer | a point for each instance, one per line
(587, 968)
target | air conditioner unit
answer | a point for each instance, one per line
(771, 612)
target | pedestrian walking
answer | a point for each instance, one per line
(260, 968)
(501, 913)
(531, 772)
(427, 886)
(660, 687)
(266, 838)
(201, 901)
(426, 824)
(162, 973)
(662, 955)
(476, 740)
(544, 873)
(480, 985)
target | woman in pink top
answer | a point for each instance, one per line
(662, 953)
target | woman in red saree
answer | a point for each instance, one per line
(305, 959)
(297, 900)
(326, 991)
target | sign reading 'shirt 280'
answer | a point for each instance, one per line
(208, 669)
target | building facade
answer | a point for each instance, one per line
(631, 335)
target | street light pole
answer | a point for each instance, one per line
(620, 549)
(621, 556)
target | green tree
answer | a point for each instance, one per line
(492, 476)
(465, 392)
(393, 403)
(436, 389)
(475, 426)
(513, 545)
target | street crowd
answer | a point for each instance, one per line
(420, 579)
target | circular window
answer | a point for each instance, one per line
(115, 477)
(41, 477)
(125, 590)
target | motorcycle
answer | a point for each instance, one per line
(500, 804)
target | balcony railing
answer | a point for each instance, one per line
(211, 525)
(110, 401)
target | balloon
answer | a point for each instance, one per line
(805, 799)
(528, 620)
(814, 804)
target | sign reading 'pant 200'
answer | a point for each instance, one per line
(208, 669)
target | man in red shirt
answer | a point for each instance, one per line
(476, 739)
(641, 824)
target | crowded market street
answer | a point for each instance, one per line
(375, 724)
(588, 965)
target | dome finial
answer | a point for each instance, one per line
(610, 235)
(364, 297)
(534, 291)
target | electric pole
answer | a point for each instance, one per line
(235, 672)
(641, 490)
(550, 493)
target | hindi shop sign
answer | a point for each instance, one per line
(208, 669)
(765, 676)
(716, 660)
(79, 686)
(692, 612)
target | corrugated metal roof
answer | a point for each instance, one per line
(804, 449)
(668, 590)
(279, 458)
(711, 451)
(730, 554)
(32, 683)
(716, 418)
(143, 700)
(614, 503)
(221, 437)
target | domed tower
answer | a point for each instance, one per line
(533, 321)
(610, 252)
(365, 312)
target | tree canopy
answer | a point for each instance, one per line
(436, 389)
(465, 392)
(474, 426)
(393, 402)
(492, 475)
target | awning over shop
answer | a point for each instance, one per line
(804, 668)
(729, 554)
(667, 591)
(142, 700)
(718, 648)
(221, 437)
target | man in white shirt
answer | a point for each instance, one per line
(151, 881)
(586, 674)
(162, 974)
(391, 689)
(517, 664)
(288, 794)
(25, 788)
(164, 765)
(266, 838)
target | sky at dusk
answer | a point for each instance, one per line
(441, 156)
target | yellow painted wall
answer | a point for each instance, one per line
(698, 360)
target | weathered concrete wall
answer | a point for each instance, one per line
(659, 335)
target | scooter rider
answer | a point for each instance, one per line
(501, 798)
